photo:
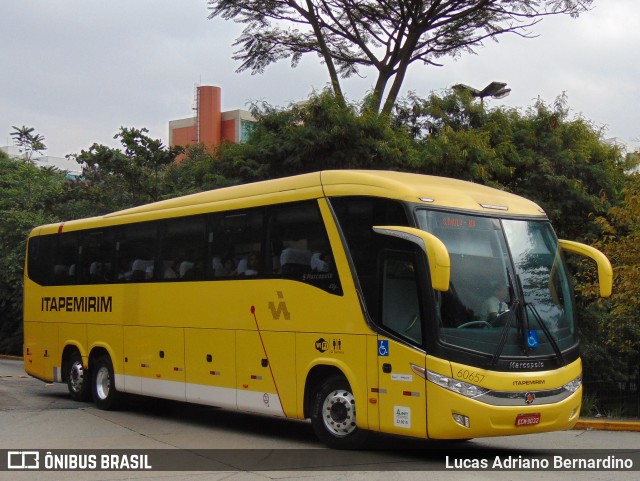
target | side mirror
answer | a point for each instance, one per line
(605, 272)
(439, 262)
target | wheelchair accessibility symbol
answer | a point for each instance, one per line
(532, 338)
(383, 348)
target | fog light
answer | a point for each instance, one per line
(573, 413)
(461, 419)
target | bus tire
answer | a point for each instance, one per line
(333, 415)
(78, 378)
(105, 395)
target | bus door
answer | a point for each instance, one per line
(401, 360)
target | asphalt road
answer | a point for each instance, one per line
(39, 416)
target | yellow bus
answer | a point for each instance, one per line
(362, 300)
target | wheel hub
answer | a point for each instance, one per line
(339, 413)
(76, 376)
(103, 383)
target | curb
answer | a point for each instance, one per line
(601, 425)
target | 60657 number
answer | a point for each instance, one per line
(470, 376)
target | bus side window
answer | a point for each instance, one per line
(65, 260)
(299, 246)
(235, 240)
(183, 249)
(136, 247)
(401, 311)
(39, 263)
(96, 258)
(357, 216)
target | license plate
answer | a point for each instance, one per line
(528, 419)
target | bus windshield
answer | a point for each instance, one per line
(509, 294)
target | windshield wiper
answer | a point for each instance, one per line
(547, 332)
(503, 337)
(513, 311)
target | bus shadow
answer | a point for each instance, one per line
(221, 419)
(390, 447)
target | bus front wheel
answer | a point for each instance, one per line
(333, 415)
(78, 379)
(104, 391)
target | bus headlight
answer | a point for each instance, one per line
(464, 388)
(573, 386)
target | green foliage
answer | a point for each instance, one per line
(132, 176)
(620, 243)
(322, 133)
(26, 138)
(564, 165)
(198, 170)
(16, 221)
(31, 143)
(542, 154)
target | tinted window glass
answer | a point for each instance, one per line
(357, 216)
(65, 260)
(183, 250)
(300, 248)
(39, 264)
(136, 252)
(400, 299)
(96, 257)
(236, 244)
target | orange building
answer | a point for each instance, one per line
(210, 126)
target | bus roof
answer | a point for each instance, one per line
(426, 189)
(416, 188)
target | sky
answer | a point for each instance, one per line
(78, 70)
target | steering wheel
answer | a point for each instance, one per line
(496, 321)
(413, 322)
(485, 324)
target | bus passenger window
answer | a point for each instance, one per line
(183, 249)
(65, 260)
(39, 259)
(136, 249)
(236, 244)
(300, 248)
(96, 255)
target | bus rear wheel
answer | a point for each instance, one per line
(104, 390)
(78, 379)
(333, 415)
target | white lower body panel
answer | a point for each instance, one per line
(228, 398)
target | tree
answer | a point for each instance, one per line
(122, 178)
(610, 326)
(31, 143)
(322, 133)
(200, 169)
(541, 153)
(621, 228)
(387, 35)
(17, 218)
